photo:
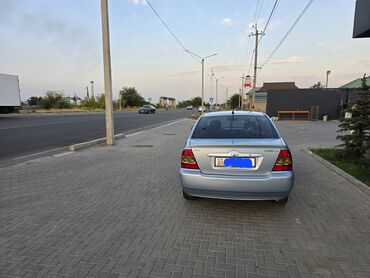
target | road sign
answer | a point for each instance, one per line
(247, 81)
(211, 99)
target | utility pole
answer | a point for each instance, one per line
(202, 60)
(203, 106)
(212, 74)
(227, 98)
(120, 102)
(92, 89)
(256, 34)
(109, 120)
(327, 78)
(240, 92)
(217, 90)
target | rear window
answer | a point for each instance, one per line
(234, 126)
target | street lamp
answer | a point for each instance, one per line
(227, 97)
(217, 89)
(202, 59)
(327, 77)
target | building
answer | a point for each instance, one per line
(355, 84)
(277, 86)
(261, 93)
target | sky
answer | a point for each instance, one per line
(57, 45)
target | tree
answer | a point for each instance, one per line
(34, 101)
(356, 141)
(183, 104)
(55, 99)
(131, 97)
(97, 102)
(234, 101)
(318, 85)
(197, 101)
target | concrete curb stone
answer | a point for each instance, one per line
(87, 144)
(359, 184)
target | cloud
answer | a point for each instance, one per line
(290, 60)
(66, 36)
(227, 21)
(261, 22)
(138, 2)
(320, 44)
(230, 67)
(274, 24)
(364, 61)
(57, 32)
(183, 73)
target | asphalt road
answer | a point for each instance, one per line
(25, 135)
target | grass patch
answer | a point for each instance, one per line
(195, 116)
(354, 167)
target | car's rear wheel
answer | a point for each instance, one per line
(187, 196)
(282, 201)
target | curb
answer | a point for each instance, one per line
(359, 184)
(84, 145)
(87, 144)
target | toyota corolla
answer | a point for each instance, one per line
(236, 155)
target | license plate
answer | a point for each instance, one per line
(236, 162)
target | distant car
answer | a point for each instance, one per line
(189, 107)
(201, 108)
(236, 155)
(147, 109)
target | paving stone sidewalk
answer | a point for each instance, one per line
(118, 212)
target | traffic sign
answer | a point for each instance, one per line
(247, 81)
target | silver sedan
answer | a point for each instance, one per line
(236, 155)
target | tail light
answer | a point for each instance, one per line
(188, 160)
(284, 161)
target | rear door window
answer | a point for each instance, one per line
(234, 126)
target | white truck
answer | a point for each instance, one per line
(10, 97)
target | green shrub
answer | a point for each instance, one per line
(54, 99)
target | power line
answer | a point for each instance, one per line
(255, 12)
(264, 29)
(260, 9)
(270, 16)
(169, 30)
(290, 30)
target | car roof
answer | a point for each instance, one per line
(228, 113)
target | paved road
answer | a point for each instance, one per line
(22, 135)
(118, 212)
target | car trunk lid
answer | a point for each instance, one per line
(263, 152)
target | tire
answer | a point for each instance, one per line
(187, 197)
(282, 201)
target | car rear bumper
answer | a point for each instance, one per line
(275, 186)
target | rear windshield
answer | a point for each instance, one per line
(234, 127)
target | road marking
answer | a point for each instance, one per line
(62, 154)
(46, 124)
(155, 127)
(40, 153)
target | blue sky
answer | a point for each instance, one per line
(57, 44)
